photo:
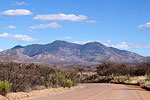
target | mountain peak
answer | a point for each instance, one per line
(95, 44)
(17, 47)
(62, 43)
(59, 42)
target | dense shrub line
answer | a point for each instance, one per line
(110, 72)
(118, 69)
(25, 77)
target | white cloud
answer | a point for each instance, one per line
(17, 36)
(11, 27)
(24, 37)
(145, 26)
(17, 12)
(51, 25)
(124, 45)
(4, 35)
(91, 21)
(1, 50)
(19, 3)
(106, 43)
(60, 17)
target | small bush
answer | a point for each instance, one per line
(4, 87)
(47, 84)
(69, 83)
(58, 79)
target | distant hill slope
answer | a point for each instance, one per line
(62, 52)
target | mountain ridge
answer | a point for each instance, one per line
(62, 52)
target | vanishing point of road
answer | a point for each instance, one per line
(100, 91)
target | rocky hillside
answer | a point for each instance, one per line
(62, 52)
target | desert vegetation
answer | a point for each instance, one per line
(4, 87)
(110, 72)
(16, 77)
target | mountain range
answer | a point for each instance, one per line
(62, 52)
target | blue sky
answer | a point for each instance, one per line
(123, 24)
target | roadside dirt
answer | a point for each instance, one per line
(100, 92)
(36, 93)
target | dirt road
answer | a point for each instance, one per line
(100, 92)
